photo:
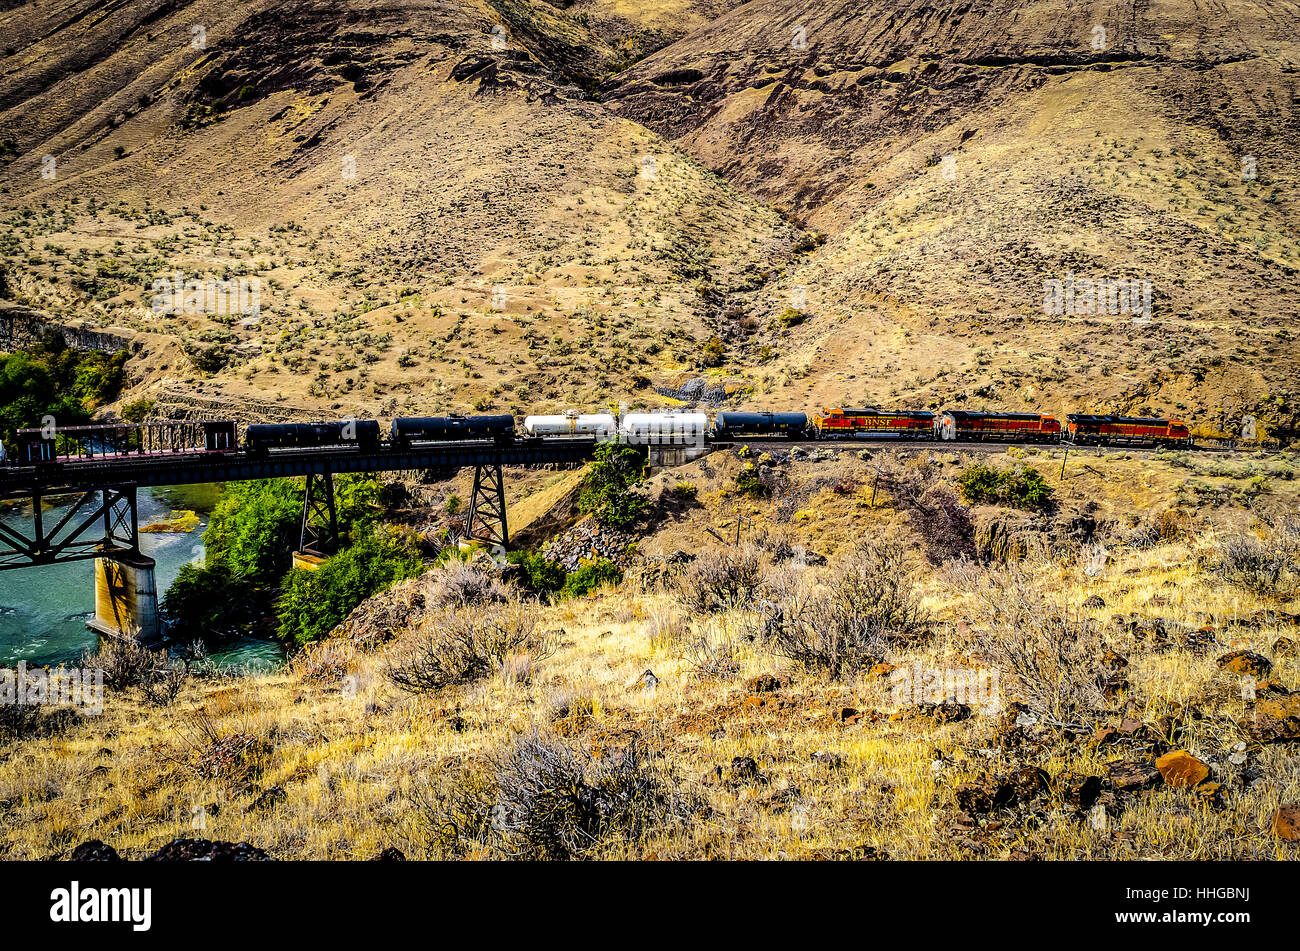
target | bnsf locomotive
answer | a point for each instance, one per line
(872, 423)
(956, 424)
(1086, 430)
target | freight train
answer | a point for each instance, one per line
(41, 447)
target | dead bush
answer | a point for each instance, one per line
(720, 579)
(1046, 649)
(547, 800)
(127, 664)
(1267, 562)
(933, 509)
(469, 644)
(864, 606)
(460, 584)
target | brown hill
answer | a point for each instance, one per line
(959, 157)
(443, 215)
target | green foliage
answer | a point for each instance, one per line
(606, 490)
(749, 481)
(590, 576)
(540, 574)
(255, 525)
(314, 602)
(454, 504)
(137, 410)
(791, 317)
(714, 352)
(205, 601)
(1021, 487)
(52, 379)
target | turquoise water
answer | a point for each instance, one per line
(43, 611)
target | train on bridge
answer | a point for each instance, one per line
(54, 445)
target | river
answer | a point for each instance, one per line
(43, 611)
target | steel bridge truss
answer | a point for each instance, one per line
(69, 538)
(487, 506)
(320, 522)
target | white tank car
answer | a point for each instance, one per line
(600, 425)
(664, 429)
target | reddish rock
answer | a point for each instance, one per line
(1286, 822)
(1246, 663)
(1129, 727)
(1135, 775)
(1104, 735)
(1181, 768)
(881, 670)
(767, 683)
(984, 795)
(1275, 719)
(1284, 647)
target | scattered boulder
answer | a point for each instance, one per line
(984, 795)
(1246, 664)
(767, 683)
(1029, 782)
(1276, 719)
(390, 854)
(744, 769)
(647, 681)
(1286, 822)
(1181, 768)
(94, 851)
(202, 850)
(1133, 775)
(1079, 791)
(1284, 647)
(1093, 603)
(829, 760)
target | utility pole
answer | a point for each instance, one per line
(1065, 456)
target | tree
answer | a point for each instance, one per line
(314, 602)
(606, 491)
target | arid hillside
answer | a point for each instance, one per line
(959, 156)
(517, 205)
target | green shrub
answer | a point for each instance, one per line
(208, 601)
(314, 602)
(606, 490)
(749, 481)
(540, 574)
(137, 410)
(590, 576)
(254, 528)
(1020, 487)
(52, 379)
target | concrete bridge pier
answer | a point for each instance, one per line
(665, 457)
(126, 597)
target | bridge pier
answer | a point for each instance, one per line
(665, 457)
(126, 597)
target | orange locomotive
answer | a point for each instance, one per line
(875, 423)
(956, 424)
(1088, 430)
